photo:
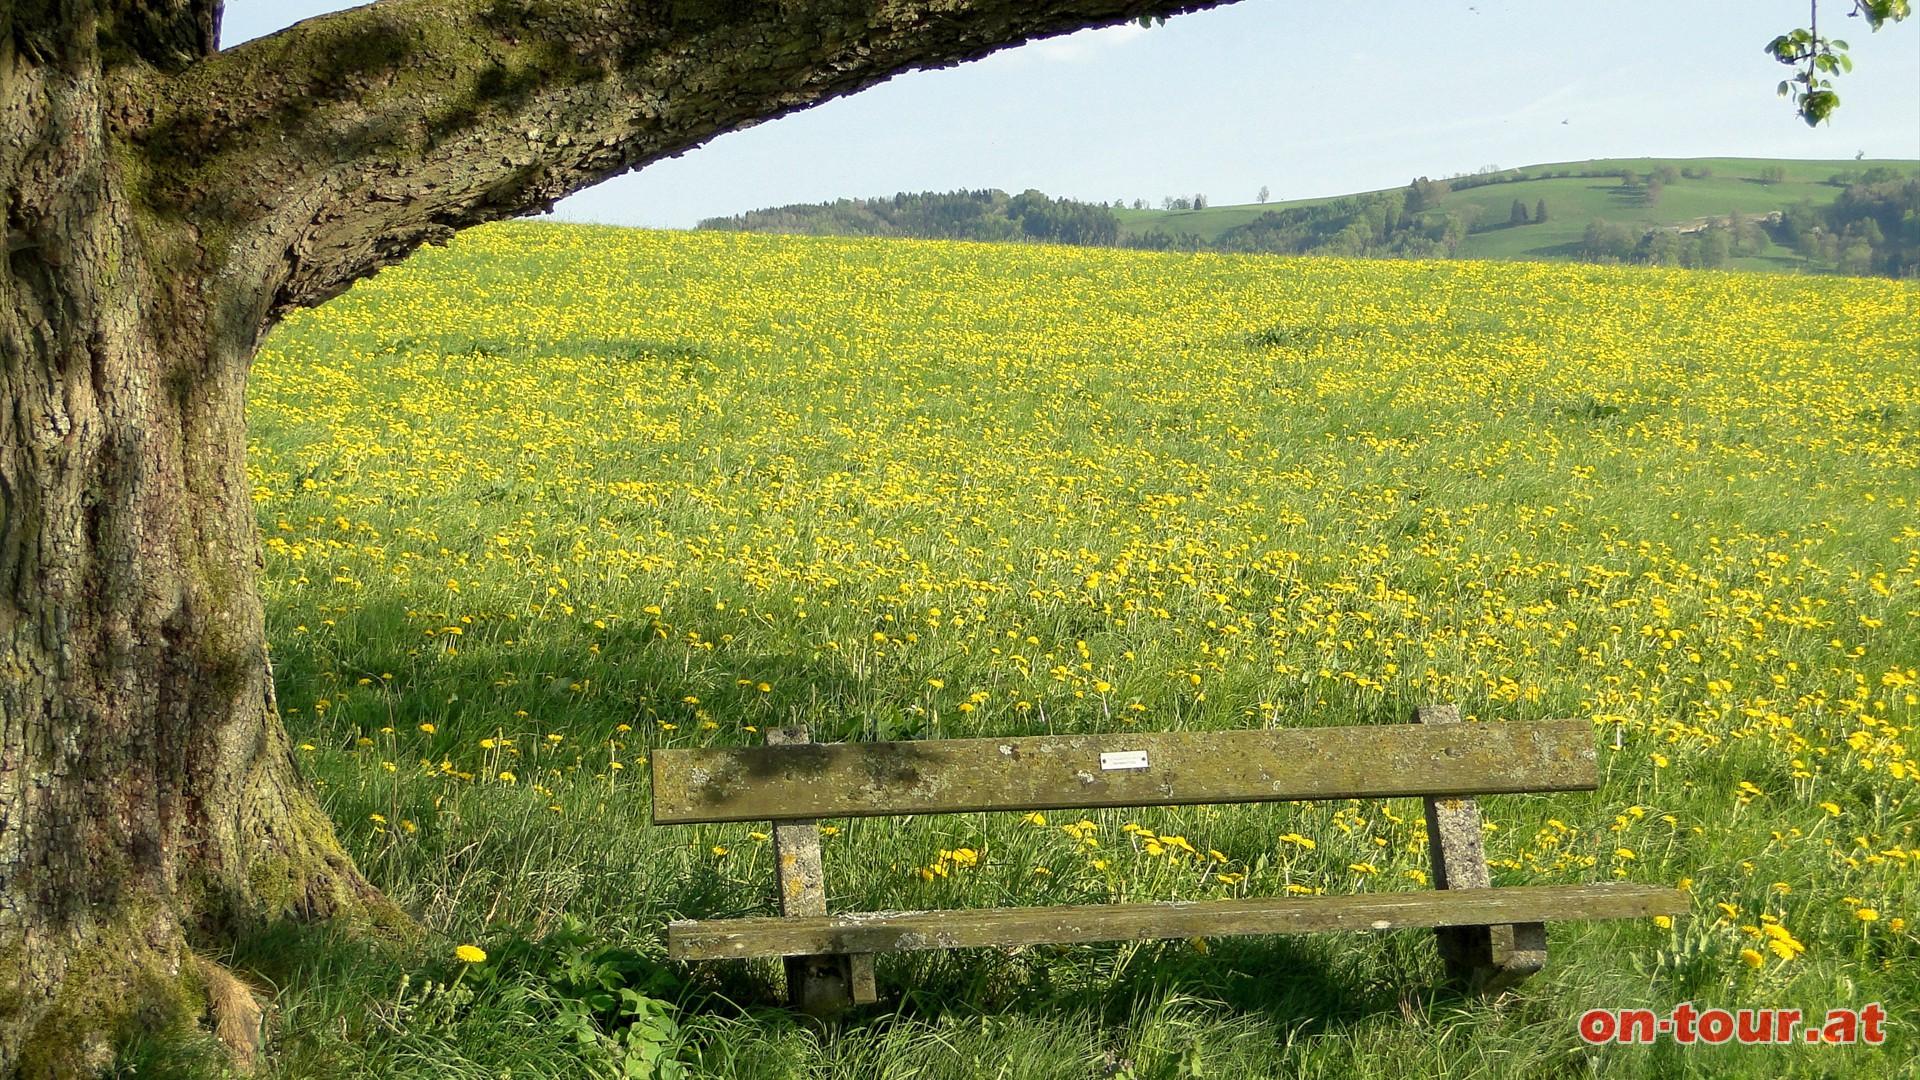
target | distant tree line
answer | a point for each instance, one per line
(990, 215)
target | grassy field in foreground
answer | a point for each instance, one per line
(1726, 185)
(554, 496)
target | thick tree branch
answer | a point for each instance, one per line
(317, 155)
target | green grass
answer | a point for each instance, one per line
(540, 502)
(1574, 201)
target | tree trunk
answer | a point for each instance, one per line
(148, 795)
(164, 204)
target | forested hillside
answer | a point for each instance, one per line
(956, 215)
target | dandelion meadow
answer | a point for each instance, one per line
(540, 502)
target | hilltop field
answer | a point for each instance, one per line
(540, 502)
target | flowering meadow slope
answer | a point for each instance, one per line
(555, 495)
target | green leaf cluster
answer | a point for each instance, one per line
(1815, 57)
(604, 999)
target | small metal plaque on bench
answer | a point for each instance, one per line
(1124, 759)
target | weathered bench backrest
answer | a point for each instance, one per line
(1178, 768)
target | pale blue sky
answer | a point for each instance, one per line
(1308, 97)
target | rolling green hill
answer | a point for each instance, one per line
(1852, 217)
(1576, 194)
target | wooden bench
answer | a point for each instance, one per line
(1490, 938)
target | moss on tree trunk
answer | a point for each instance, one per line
(149, 797)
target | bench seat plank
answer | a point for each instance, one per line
(1123, 769)
(718, 939)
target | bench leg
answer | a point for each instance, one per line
(1481, 959)
(1489, 959)
(821, 986)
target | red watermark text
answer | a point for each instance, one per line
(1688, 1025)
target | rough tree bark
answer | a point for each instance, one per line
(165, 203)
